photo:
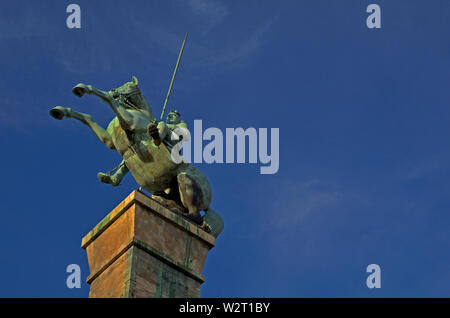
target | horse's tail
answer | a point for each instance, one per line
(214, 220)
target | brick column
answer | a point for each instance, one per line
(142, 249)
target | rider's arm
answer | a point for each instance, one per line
(162, 130)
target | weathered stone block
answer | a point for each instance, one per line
(142, 249)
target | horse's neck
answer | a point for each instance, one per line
(149, 111)
(140, 120)
(136, 131)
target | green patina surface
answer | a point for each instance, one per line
(96, 230)
(103, 225)
(175, 218)
(129, 272)
(171, 283)
(187, 255)
(137, 136)
(169, 260)
(181, 221)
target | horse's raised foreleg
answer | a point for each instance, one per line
(125, 118)
(59, 112)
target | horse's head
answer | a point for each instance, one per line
(130, 96)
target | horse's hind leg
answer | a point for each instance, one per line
(59, 112)
(190, 195)
(117, 177)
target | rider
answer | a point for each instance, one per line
(166, 131)
(162, 132)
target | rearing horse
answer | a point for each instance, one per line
(179, 186)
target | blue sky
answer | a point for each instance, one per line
(364, 124)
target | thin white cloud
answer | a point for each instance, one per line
(237, 52)
(212, 12)
(209, 7)
(429, 165)
(17, 115)
(142, 41)
(203, 55)
(298, 201)
(24, 23)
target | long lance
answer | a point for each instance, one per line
(173, 77)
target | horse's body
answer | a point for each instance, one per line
(150, 166)
(179, 186)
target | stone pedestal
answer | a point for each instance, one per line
(142, 249)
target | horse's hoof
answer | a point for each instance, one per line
(103, 177)
(106, 178)
(58, 112)
(206, 227)
(79, 90)
(196, 217)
